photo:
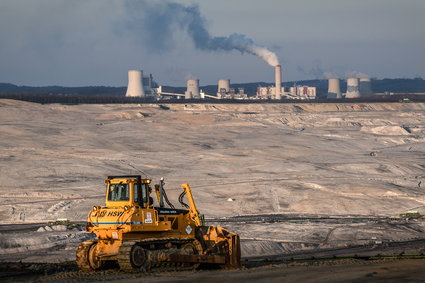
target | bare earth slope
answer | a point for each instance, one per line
(319, 159)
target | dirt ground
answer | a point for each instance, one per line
(349, 161)
(348, 270)
(396, 271)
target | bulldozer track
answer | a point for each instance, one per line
(124, 256)
(82, 255)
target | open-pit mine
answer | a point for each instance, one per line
(299, 183)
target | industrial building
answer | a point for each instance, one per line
(365, 87)
(334, 89)
(295, 92)
(224, 91)
(355, 88)
(223, 88)
(192, 89)
(352, 88)
(139, 86)
(302, 92)
(278, 91)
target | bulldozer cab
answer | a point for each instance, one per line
(128, 190)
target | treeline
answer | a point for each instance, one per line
(105, 99)
(85, 90)
(47, 98)
(416, 85)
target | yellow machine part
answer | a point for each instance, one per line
(138, 236)
(222, 241)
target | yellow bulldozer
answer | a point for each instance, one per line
(138, 236)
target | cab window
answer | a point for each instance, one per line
(135, 190)
(119, 192)
(144, 193)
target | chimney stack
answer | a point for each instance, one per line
(278, 84)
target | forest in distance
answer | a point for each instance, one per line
(401, 85)
(74, 99)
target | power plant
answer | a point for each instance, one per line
(352, 88)
(192, 89)
(278, 82)
(135, 87)
(355, 88)
(365, 87)
(139, 86)
(334, 90)
(223, 87)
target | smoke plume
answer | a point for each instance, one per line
(317, 72)
(329, 75)
(355, 74)
(161, 19)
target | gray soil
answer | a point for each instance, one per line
(309, 179)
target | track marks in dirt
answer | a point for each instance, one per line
(60, 206)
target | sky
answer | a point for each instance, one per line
(95, 42)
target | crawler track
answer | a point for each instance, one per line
(153, 248)
(124, 259)
(82, 255)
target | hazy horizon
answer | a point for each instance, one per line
(183, 85)
(95, 42)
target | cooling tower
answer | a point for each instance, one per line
(223, 84)
(365, 87)
(135, 87)
(352, 88)
(192, 89)
(278, 86)
(334, 90)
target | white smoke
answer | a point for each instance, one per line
(262, 52)
(190, 77)
(161, 18)
(355, 74)
(317, 72)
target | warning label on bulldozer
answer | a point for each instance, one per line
(148, 218)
